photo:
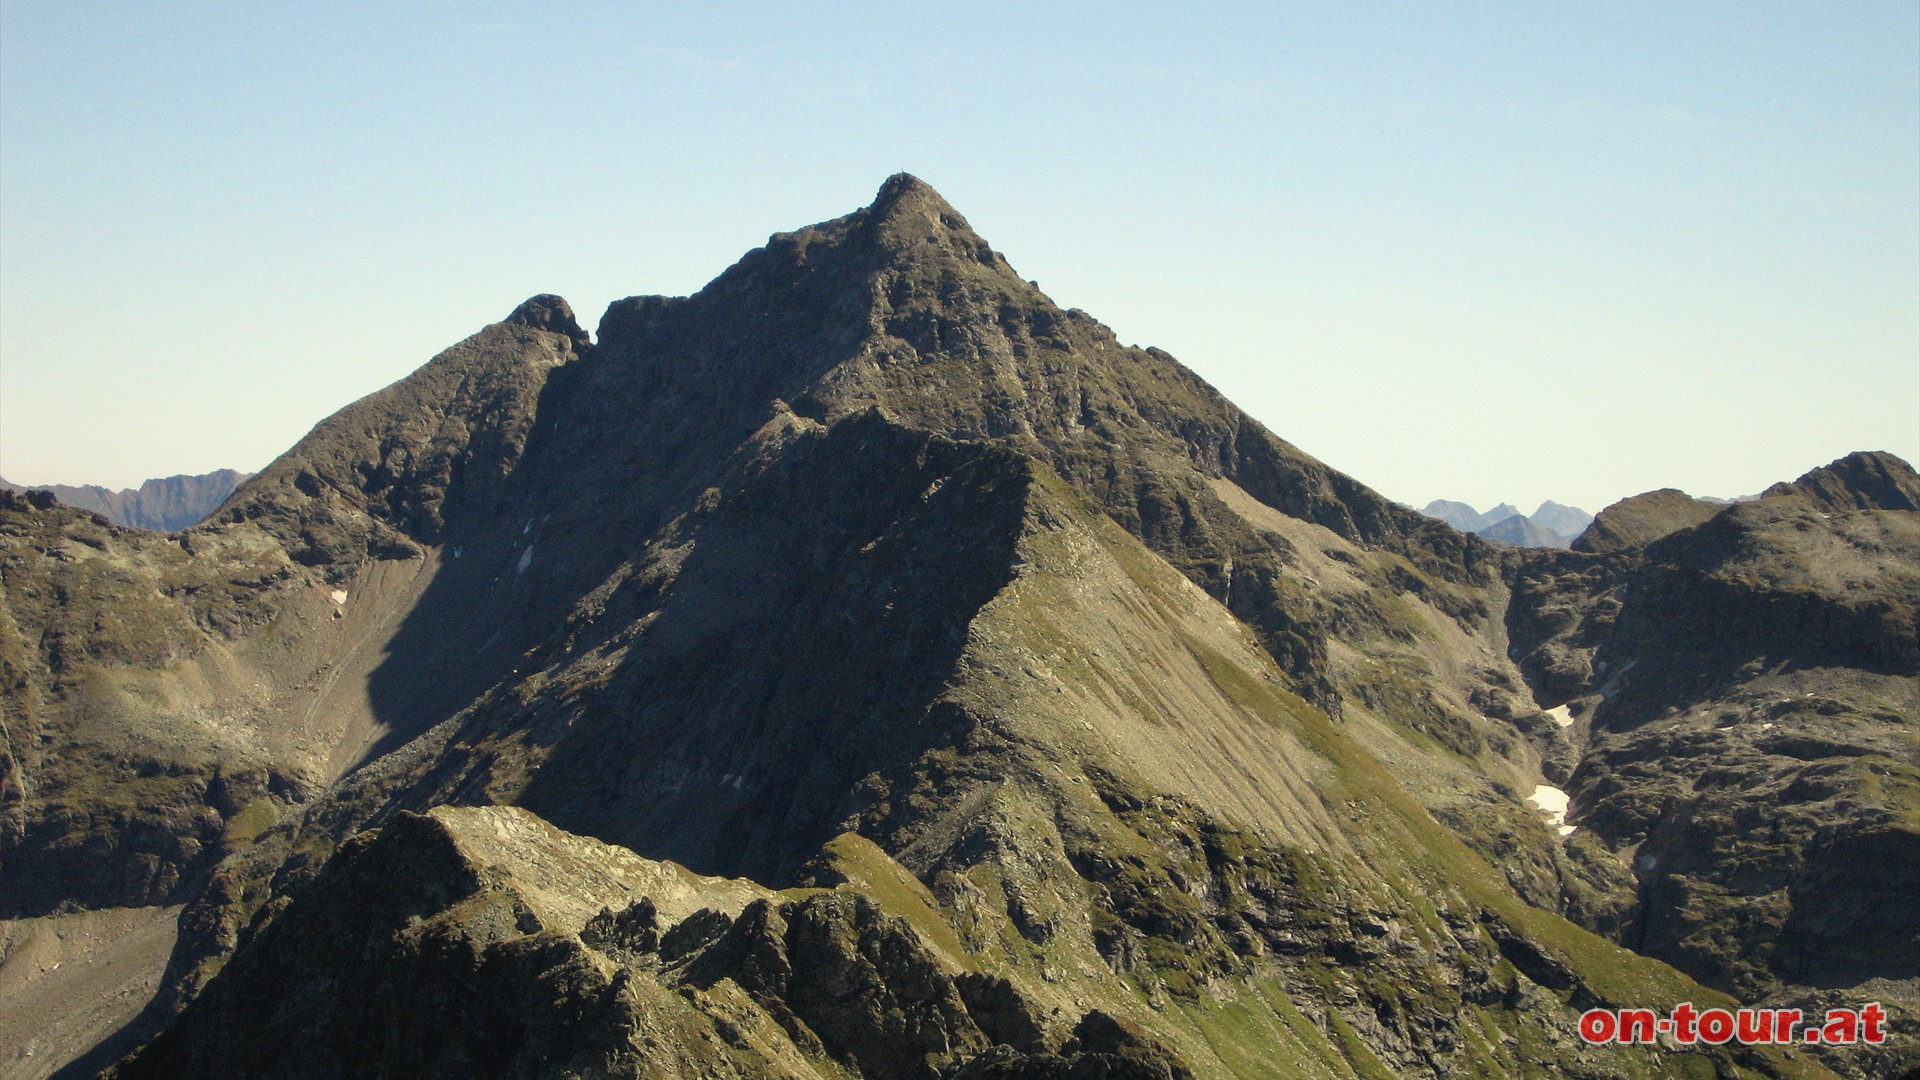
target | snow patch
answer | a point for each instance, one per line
(1554, 802)
(1562, 715)
(339, 597)
(526, 560)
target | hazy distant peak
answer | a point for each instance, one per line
(1553, 525)
(164, 504)
(1568, 521)
(1520, 531)
(1457, 514)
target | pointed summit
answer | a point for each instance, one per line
(905, 192)
(907, 215)
(1863, 480)
(551, 313)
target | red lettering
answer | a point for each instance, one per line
(1872, 1016)
(1718, 1026)
(1636, 1025)
(1683, 1018)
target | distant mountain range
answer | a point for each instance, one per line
(1552, 525)
(167, 504)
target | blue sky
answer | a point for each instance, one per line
(1487, 252)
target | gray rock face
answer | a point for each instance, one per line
(552, 314)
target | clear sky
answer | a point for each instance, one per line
(1477, 251)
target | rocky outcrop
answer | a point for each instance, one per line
(554, 315)
(1867, 480)
(382, 476)
(1102, 1048)
(458, 942)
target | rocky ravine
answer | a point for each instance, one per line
(868, 570)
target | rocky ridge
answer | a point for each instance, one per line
(1747, 687)
(494, 942)
(867, 569)
(1642, 519)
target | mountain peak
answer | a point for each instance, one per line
(1641, 519)
(907, 217)
(1863, 480)
(550, 313)
(905, 192)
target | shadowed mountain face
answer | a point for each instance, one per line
(1087, 728)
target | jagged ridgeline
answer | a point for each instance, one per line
(864, 667)
(163, 504)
